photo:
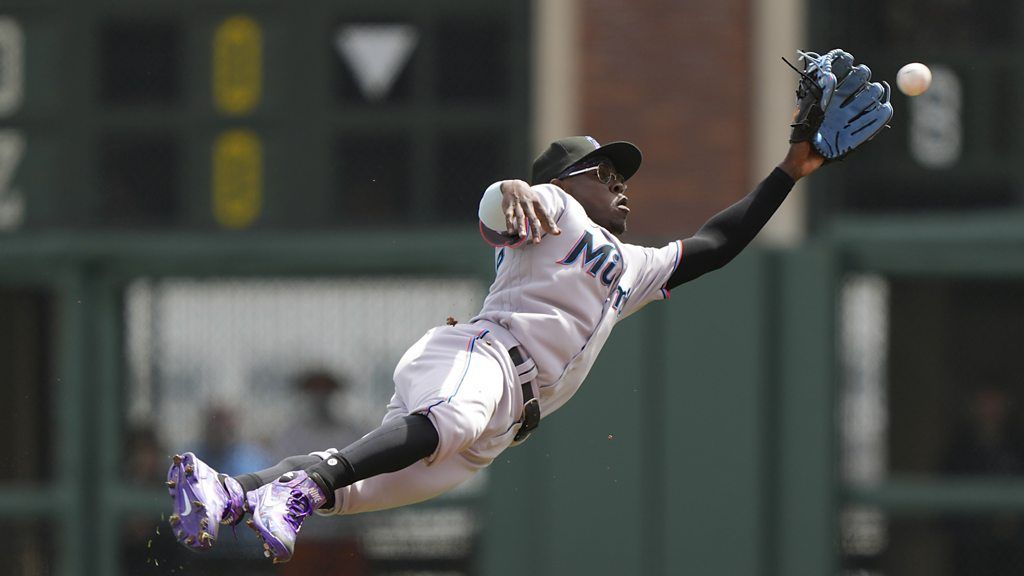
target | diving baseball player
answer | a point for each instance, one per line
(563, 280)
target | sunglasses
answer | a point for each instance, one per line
(605, 173)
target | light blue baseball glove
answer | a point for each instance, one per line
(840, 108)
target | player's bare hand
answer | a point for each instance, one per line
(525, 215)
(801, 160)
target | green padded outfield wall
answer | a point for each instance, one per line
(668, 460)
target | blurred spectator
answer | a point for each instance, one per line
(224, 449)
(145, 456)
(328, 547)
(316, 425)
(988, 444)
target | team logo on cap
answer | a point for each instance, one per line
(592, 141)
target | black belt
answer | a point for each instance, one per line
(531, 405)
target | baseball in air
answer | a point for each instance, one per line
(914, 79)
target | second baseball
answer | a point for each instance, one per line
(914, 79)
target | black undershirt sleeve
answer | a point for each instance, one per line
(398, 443)
(391, 447)
(727, 233)
(253, 480)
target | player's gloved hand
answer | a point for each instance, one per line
(839, 108)
(524, 212)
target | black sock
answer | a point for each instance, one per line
(392, 447)
(254, 480)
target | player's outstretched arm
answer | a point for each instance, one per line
(727, 233)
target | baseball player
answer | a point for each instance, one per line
(466, 392)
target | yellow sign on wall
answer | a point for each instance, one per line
(237, 65)
(237, 178)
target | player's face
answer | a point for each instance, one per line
(602, 193)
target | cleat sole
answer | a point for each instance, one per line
(268, 550)
(189, 519)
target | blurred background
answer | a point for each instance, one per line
(222, 222)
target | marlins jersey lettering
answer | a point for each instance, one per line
(561, 298)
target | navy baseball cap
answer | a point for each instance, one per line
(563, 153)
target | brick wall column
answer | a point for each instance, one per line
(673, 77)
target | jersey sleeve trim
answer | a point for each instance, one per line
(679, 254)
(665, 292)
(498, 240)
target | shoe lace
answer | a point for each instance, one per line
(817, 61)
(818, 73)
(299, 508)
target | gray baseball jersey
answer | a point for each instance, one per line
(559, 301)
(561, 298)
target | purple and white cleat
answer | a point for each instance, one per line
(203, 500)
(278, 510)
